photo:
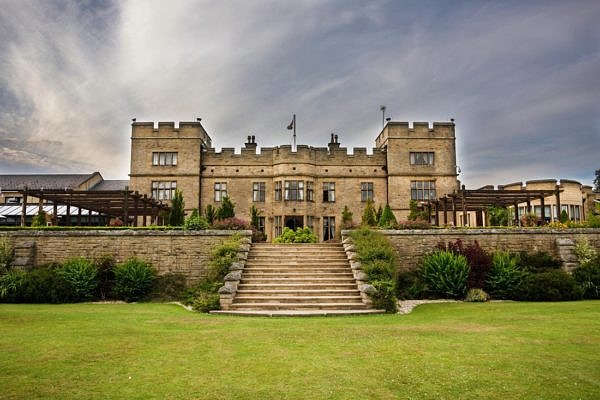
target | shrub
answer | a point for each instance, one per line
(379, 270)
(133, 279)
(40, 219)
(378, 260)
(529, 219)
(385, 297)
(106, 276)
(7, 255)
(584, 252)
(368, 216)
(195, 222)
(498, 216)
(505, 276)
(81, 278)
(409, 286)
(176, 214)
(588, 277)
(227, 209)
(592, 220)
(10, 285)
(205, 302)
(387, 219)
(222, 256)
(210, 213)
(255, 214)
(477, 296)
(445, 273)
(416, 213)
(478, 259)
(538, 262)
(204, 296)
(231, 224)
(564, 217)
(553, 285)
(169, 287)
(413, 224)
(378, 213)
(300, 235)
(44, 285)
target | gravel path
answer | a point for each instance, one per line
(406, 306)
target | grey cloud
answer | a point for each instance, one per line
(520, 78)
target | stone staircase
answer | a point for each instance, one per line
(297, 279)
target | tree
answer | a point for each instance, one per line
(387, 219)
(210, 212)
(40, 219)
(378, 213)
(368, 217)
(176, 215)
(597, 181)
(227, 209)
(564, 217)
(254, 215)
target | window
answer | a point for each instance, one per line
(310, 191)
(328, 228)
(163, 190)
(278, 191)
(328, 192)
(294, 190)
(220, 190)
(13, 200)
(258, 191)
(422, 190)
(278, 225)
(366, 191)
(421, 158)
(162, 158)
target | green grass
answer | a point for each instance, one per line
(440, 351)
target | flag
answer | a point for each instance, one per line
(291, 125)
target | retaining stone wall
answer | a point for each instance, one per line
(186, 252)
(411, 245)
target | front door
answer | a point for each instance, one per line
(294, 221)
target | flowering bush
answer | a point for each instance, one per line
(233, 223)
(301, 235)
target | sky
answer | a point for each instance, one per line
(520, 78)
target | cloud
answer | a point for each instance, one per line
(520, 78)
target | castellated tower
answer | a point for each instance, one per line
(165, 158)
(308, 186)
(421, 162)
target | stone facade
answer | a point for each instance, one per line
(186, 252)
(288, 185)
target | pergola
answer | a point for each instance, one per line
(123, 204)
(480, 200)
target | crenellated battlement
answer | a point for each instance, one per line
(169, 130)
(303, 154)
(418, 130)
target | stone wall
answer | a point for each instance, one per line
(411, 245)
(186, 252)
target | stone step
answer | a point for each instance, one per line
(297, 280)
(298, 258)
(297, 274)
(299, 292)
(298, 306)
(287, 269)
(297, 299)
(296, 265)
(298, 313)
(297, 286)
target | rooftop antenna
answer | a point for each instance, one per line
(382, 109)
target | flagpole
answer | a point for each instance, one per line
(294, 132)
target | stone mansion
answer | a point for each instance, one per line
(306, 186)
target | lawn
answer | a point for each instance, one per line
(440, 351)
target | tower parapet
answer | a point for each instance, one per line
(419, 130)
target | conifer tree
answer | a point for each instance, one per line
(368, 217)
(176, 215)
(387, 219)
